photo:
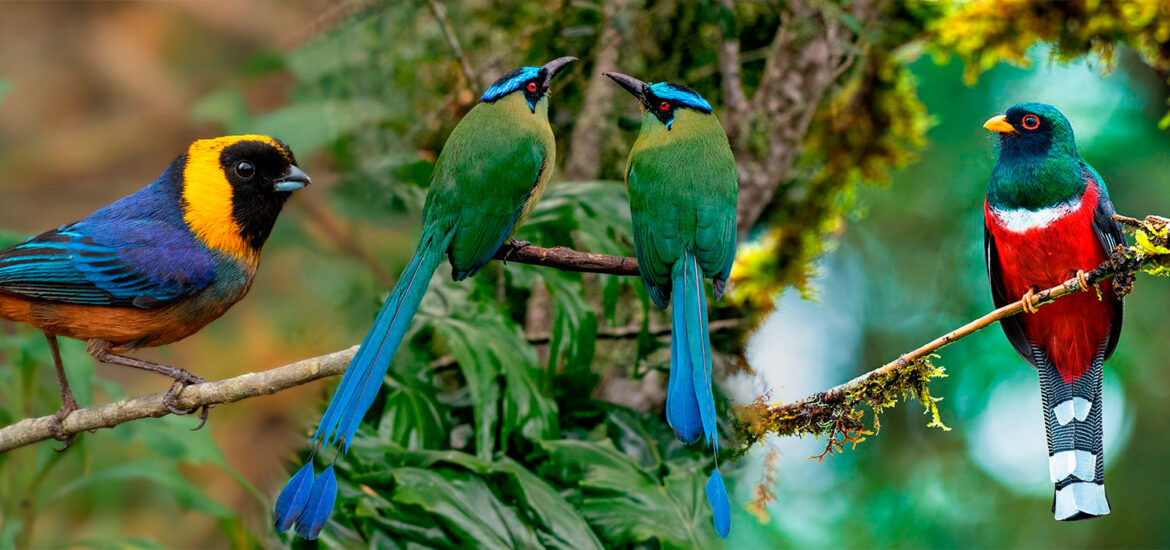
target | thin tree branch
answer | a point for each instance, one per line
(32, 430)
(254, 384)
(440, 13)
(567, 259)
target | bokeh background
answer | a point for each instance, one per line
(875, 242)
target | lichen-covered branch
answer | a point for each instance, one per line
(838, 412)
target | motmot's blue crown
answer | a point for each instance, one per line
(533, 82)
(663, 99)
(678, 93)
(510, 82)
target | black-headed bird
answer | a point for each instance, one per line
(157, 266)
(681, 178)
(488, 177)
(1048, 218)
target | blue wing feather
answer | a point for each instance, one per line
(139, 263)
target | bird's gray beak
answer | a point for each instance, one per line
(636, 87)
(555, 66)
(293, 179)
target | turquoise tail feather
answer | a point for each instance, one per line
(690, 398)
(307, 500)
(720, 504)
(682, 404)
(364, 376)
(698, 342)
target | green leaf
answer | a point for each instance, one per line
(555, 522)
(412, 418)
(491, 351)
(464, 505)
(574, 328)
(4, 87)
(629, 505)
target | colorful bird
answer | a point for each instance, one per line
(489, 176)
(1048, 218)
(156, 266)
(681, 178)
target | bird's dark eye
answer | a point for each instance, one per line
(1031, 122)
(532, 86)
(245, 170)
(665, 106)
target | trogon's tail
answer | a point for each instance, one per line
(690, 403)
(1076, 460)
(363, 379)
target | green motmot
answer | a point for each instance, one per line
(489, 175)
(682, 182)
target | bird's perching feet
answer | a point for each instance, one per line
(1030, 301)
(1083, 280)
(514, 246)
(100, 350)
(68, 403)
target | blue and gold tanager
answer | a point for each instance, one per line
(490, 174)
(158, 265)
(682, 182)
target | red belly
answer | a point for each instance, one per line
(1070, 330)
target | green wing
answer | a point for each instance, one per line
(487, 171)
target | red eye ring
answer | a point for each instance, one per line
(532, 86)
(664, 106)
(1030, 122)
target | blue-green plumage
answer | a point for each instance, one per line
(487, 179)
(682, 184)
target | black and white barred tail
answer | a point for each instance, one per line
(1076, 460)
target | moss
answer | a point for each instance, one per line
(840, 415)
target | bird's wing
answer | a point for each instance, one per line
(486, 173)
(1012, 326)
(139, 263)
(656, 247)
(1110, 235)
(715, 236)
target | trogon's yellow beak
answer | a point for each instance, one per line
(999, 124)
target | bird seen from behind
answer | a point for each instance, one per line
(682, 183)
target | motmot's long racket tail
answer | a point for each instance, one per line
(690, 401)
(362, 381)
(364, 376)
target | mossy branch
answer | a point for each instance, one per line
(838, 412)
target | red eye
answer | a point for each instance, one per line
(532, 86)
(664, 106)
(1031, 122)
